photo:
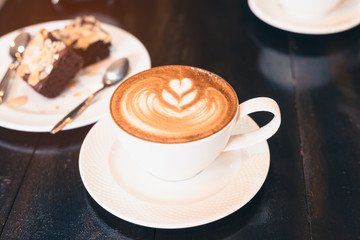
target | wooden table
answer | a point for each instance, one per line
(312, 190)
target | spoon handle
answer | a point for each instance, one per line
(74, 113)
(5, 82)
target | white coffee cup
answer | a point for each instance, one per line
(178, 161)
(309, 9)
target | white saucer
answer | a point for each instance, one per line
(128, 192)
(344, 17)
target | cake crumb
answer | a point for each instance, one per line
(77, 94)
(17, 101)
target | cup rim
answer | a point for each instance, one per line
(236, 113)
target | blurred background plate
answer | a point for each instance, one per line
(344, 17)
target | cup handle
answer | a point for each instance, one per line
(260, 104)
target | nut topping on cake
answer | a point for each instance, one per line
(39, 57)
(82, 32)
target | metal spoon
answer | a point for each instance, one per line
(17, 47)
(114, 74)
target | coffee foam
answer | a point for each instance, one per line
(173, 104)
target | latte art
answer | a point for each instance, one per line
(178, 104)
(180, 88)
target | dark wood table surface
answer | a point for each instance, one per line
(312, 190)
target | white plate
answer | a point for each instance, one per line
(40, 114)
(344, 17)
(126, 191)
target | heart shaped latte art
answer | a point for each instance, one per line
(180, 94)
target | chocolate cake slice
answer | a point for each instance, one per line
(48, 65)
(85, 36)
